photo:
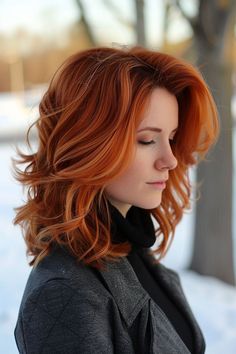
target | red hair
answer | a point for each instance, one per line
(87, 133)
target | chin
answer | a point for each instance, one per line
(149, 204)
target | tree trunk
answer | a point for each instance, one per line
(213, 242)
(140, 22)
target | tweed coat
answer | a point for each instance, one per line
(69, 308)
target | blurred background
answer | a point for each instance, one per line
(35, 38)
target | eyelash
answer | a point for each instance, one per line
(153, 142)
(147, 142)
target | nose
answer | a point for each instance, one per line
(167, 160)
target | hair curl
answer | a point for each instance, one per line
(87, 131)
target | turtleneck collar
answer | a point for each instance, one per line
(137, 227)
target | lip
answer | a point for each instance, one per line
(158, 184)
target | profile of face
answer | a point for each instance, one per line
(143, 182)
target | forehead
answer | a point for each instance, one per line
(161, 111)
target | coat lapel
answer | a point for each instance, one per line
(125, 288)
(170, 281)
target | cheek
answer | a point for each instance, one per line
(130, 178)
(124, 181)
(134, 174)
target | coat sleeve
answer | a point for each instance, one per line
(56, 318)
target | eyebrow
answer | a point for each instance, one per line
(154, 129)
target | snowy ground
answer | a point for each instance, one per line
(212, 301)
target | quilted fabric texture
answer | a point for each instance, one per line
(59, 319)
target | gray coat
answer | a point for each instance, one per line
(69, 308)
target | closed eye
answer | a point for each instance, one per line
(147, 142)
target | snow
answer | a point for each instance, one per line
(18, 111)
(212, 301)
(214, 305)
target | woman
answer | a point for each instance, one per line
(118, 131)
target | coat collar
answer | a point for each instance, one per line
(125, 288)
(131, 297)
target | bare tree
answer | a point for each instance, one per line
(213, 28)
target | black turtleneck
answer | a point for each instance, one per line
(139, 230)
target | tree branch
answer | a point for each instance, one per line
(117, 13)
(85, 22)
(191, 20)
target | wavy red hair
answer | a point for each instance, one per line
(87, 133)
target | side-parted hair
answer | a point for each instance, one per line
(86, 138)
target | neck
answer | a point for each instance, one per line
(122, 207)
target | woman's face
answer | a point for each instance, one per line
(153, 157)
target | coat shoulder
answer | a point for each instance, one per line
(59, 267)
(60, 295)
